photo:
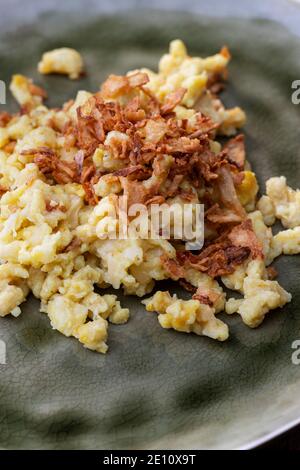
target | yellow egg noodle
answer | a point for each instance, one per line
(40, 218)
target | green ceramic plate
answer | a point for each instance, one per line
(158, 388)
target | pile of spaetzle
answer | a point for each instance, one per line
(154, 138)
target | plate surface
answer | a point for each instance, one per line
(157, 388)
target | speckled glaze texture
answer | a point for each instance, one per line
(157, 388)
